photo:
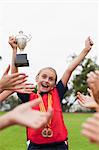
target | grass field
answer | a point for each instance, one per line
(14, 138)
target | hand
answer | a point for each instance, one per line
(88, 44)
(87, 101)
(93, 77)
(25, 88)
(26, 116)
(93, 83)
(13, 81)
(12, 42)
(91, 128)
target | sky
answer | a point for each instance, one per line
(58, 29)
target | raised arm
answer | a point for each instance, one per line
(77, 61)
(13, 44)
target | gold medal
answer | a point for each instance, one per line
(44, 132)
(49, 132)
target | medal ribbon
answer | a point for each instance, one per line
(47, 131)
(42, 107)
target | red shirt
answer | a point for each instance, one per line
(57, 124)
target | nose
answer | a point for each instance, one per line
(47, 80)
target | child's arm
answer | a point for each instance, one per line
(77, 61)
(24, 115)
(13, 44)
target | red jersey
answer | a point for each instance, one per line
(57, 124)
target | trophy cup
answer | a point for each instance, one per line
(21, 59)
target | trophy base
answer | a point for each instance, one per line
(21, 60)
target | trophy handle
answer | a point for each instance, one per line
(28, 38)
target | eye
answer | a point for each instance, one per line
(44, 76)
(51, 79)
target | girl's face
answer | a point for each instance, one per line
(46, 80)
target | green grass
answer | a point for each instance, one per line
(14, 138)
(76, 140)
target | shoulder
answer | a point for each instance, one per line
(61, 86)
(61, 89)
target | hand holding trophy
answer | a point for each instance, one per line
(21, 59)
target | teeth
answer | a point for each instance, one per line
(44, 85)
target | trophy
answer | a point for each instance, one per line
(21, 59)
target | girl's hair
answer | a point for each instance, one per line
(50, 68)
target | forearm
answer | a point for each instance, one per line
(77, 60)
(5, 94)
(6, 120)
(73, 65)
(14, 69)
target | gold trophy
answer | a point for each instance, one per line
(21, 58)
